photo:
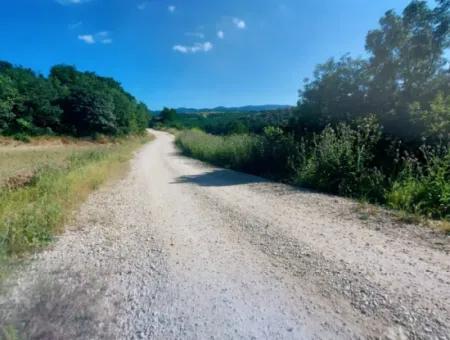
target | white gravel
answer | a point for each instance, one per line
(182, 250)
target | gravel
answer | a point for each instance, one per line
(179, 249)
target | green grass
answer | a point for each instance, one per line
(234, 151)
(424, 188)
(32, 214)
(339, 161)
(28, 160)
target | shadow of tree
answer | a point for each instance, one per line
(220, 178)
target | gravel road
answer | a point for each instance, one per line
(182, 250)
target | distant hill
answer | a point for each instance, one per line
(223, 109)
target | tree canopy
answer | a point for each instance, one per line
(67, 102)
(405, 78)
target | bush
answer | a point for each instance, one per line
(338, 160)
(279, 153)
(423, 187)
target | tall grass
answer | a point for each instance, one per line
(234, 151)
(339, 160)
(31, 215)
(423, 187)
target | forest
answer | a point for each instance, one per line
(374, 128)
(67, 102)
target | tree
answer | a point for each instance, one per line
(407, 64)
(337, 93)
(69, 101)
(435, 118)
(407, 59)
(168, 115)
(90, 111)
(8, 98)
(143, 117)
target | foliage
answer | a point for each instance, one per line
(234, 151)
(435, 118)
(30, 215)
(407, 64)
(424, 187)
(280, 150)
(168, 115)
(339, 160)
(354, 121)
(67, 102)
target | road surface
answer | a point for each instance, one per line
(182, 250)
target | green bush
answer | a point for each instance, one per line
(423, 187)
(338, 160)
(278, 154)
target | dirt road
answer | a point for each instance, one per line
(181, 250)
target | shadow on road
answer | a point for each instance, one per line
(219, 178)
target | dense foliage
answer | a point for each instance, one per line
(67, 102)
(376, 129)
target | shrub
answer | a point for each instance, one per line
(279, 153)
(338, 160)
(423, 187)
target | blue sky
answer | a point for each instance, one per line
(199, 53)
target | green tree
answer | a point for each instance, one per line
(337, 93)
(8, 98)
(435, 118)
(168, 115)
(407, 62)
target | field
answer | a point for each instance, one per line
(43, 181)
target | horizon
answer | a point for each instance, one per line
(174, 54)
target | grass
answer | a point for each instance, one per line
(32, 213)
(234, 151)
(338, 160)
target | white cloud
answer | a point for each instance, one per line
(239, 23)
(87, 38)
(72, 2)
(181, 48)
(102, 37)
(75, 25)
(199, 35)
(220, 34)
(197, 47)
(171, 8)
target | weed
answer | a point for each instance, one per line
(31, 215)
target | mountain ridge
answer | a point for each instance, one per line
(225, 109)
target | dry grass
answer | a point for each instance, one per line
(44, 185)
(26, 160)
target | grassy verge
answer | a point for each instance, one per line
(339, 161)
(235, 151)
(31, 214)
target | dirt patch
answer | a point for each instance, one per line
(19, 180)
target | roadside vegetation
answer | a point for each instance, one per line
(376, 129)
(76, 130)
(35, 204)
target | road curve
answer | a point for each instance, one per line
(182, 250)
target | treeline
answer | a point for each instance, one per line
(375, 128)
(66, 102)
